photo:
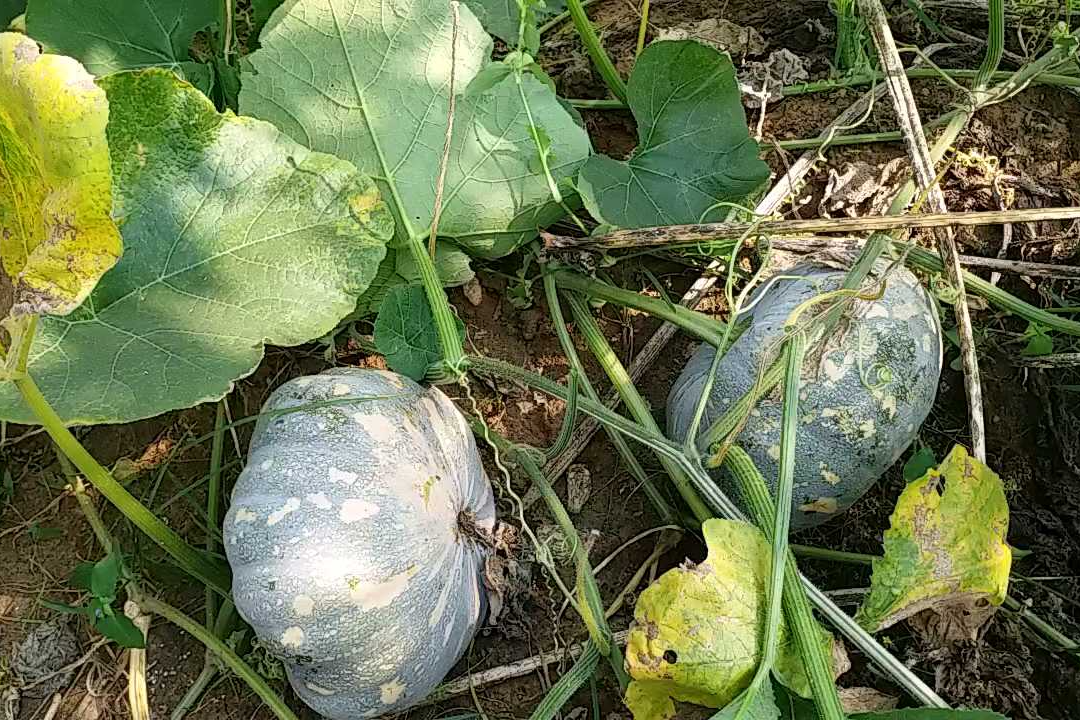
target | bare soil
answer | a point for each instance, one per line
(1034, 434)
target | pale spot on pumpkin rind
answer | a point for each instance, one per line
(340, 390)
(355, 509)
(342, 476)
(826, 505)
(906, 311)
(877, 310)
(828, 475)
(244, 515)
(774, 452)
(370, 596)
(866, 427)
(833, 371)
(319, 500)
(318, 689)
(291, 505)
(303, 605)
(377, 427)
(391, 692)
(888, 404)
(392, 378)
(293, 637)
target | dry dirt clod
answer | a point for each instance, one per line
(473, 292)
(721, 34)
(578, 487)
(861, 189)
(48, 648)
(767, 77)
(865, 699)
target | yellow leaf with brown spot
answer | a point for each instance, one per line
(945, 549)
(57, 237)
(697, 630)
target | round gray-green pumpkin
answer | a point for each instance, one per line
(351, 537)
(863, 398)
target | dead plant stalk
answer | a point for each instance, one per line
(926, 180)
(711, 232)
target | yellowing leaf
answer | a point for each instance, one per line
(946, 546)
(56, 234)
(697, 630)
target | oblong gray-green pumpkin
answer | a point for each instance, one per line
(862, 399)
(346, 544)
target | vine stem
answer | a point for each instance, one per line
(643, 28)
(215, 575)
(596, 50)
(859, 79)
(213, 500)
(712, 494)
(700, 324)
(551, 294)
(676, 236)
(590, 603)
(230, 659)
(795, 351)
(144, 602)
(636, 404)
(796, 605)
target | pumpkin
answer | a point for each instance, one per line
(864, 395)
(354, 537)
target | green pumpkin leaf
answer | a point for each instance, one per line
(119, 628)
(56, 235)
(1040, 342)
(40, 533)
(930, 714)
(236, 236)
(369, 81)
(452, 265)
(697, 629)
(694, 148)
(761, 706)
(502, 18)
(62, 608)
(105, 575)
(261, 10)
(405, 332)
(108, 36)
(80, 576)
(920, 462)
(945, 546)
(9, 10)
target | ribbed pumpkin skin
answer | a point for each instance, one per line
(850, 430)
(343, 537)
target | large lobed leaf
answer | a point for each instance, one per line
(235, 236)
(945, 549)
(697, 630)
(56, 235)
(369, 81)
(694, 151)
(502, 18)
(109, 36)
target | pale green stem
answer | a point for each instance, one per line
(213, 574)
(636, 404)
(213, 498)
(663, 507)
(596, 50)
(227, 656)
